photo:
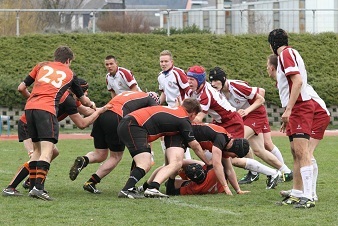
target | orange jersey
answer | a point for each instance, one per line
(129, 101)
(51, 81)
(210, 186)
(68, 106)
(164, 121)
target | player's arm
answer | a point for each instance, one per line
(199, 117)
(194, 145)
(297, 83)
(261, 92)
(219, 170)
(258, 101)
(81, 122)
(134, 87)
(87, 102)
(22, 88)
(86, 111)
(231, 175)
(112, 93)
(162, 98)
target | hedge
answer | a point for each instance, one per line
(242, 57)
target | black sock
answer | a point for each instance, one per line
(145, 186)
(154, 185)
(32, 174)
(135, 176)
(42, 168)
(95, 179)
(20, 176)
(86, 161)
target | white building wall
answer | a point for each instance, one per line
(321, 21)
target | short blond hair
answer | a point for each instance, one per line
(166, 53)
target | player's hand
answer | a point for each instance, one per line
(101, 110)
(240, 192)
(227, 190)
(178, 101)
(93, 106)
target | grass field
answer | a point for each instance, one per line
(74, 206)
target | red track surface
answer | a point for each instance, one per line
(79, 136)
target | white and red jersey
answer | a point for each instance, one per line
(241, 94)
(214, 103)
(173, 83)
(121, 81)
(290, 63)
(314, 95)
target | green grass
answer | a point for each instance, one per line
(74, 206)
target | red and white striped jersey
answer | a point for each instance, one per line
(173, 83)
(241, 94)
(121, 81)
(314, 95)
(290, 63)
(214, 103)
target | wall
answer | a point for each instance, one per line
(274, 115)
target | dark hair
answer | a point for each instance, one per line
(219, 74)
(109, 57)
(62, 54)
(192, 105)
(278, 38)
(273, 60)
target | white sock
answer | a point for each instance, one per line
(285, 169)
(163, 146)
(276, 152)
(254, 165)
(187, 154)
(314, 177)
(296, 193)
(307, 173)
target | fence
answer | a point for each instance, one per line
(274, 114)
(241, 19)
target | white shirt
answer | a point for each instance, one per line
(173, 83)
(240, 94)
(314, 95)
(290, 63)
(121, 81)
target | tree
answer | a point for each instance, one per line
(27, 20)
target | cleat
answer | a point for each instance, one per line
(287, 201)
(11, 192)
(40, 194)
(285, 193)
(76, 168)
(272, 181)
(26, 184)
(154, 193)
(286, 177)
(305, 203)
(249, 178)
(140, 188)
(90, 186)
(131, 193)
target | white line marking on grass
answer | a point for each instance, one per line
(199, 207)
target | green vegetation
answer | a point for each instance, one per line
(242, 57)
(74, 206)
